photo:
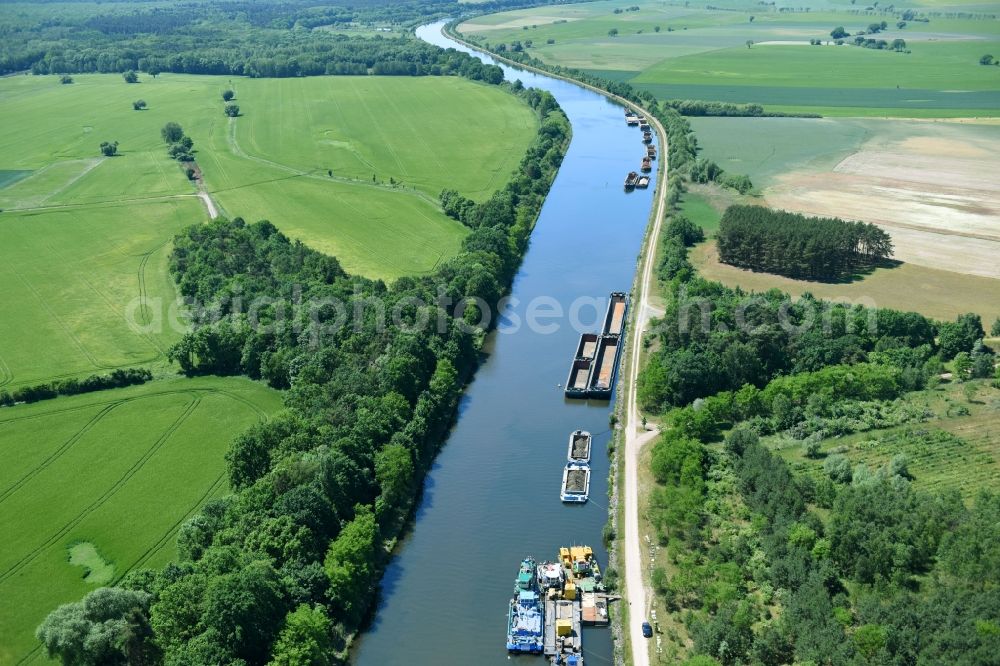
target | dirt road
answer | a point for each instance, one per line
(636, 435)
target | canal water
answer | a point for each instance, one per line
(492, 496)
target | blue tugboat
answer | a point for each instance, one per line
(525, 619)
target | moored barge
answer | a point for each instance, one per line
(579, 446)
(651, 151)
(575, 483)
(630, 180)
(525, 617)
(602, 377)
(614, 319)
(647, 165)
(583, 362)
(647, 137)
(643, 183)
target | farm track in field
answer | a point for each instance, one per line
(300, 173)
(6, 376)
(144, 311)
(58, 453)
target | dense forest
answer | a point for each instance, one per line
(275, 38)
(285, 569)
(811, 248)
(766, 567)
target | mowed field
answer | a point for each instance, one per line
(699, 51)
(107, 478)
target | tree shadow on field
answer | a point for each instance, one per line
(861, 272)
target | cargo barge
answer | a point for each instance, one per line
(592, 373)
(579, 371)
(575, 483)
(651, 152)
(525, 617)
(630, 180)
(647, 137)
(579, 446)
(647, 165)
(614, 319)
(643, 125)
(643, 183)
(602, 377)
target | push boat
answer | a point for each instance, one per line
(526, 616)
(575, 483)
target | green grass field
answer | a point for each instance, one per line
(699, 209)
(90, 490)
(957, 449)
(698, 51)
(74, 279)
(766, 148)
(303, 154)
(275, 162)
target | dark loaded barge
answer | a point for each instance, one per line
(595, 365)
(579, 371)
(630, 180)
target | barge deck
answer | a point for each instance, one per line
(602, 378)
(614, 319)
(579, 446)
(575, 483)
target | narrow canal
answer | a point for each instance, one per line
(492, 496)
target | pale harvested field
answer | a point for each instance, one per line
(935, 293)
(933, 186)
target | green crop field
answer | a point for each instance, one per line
(956, 449)
(766, 148)
(97, 484)
(303, 154)
(699, 51)
(84, 240)
(75, 277)
(319, 160)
